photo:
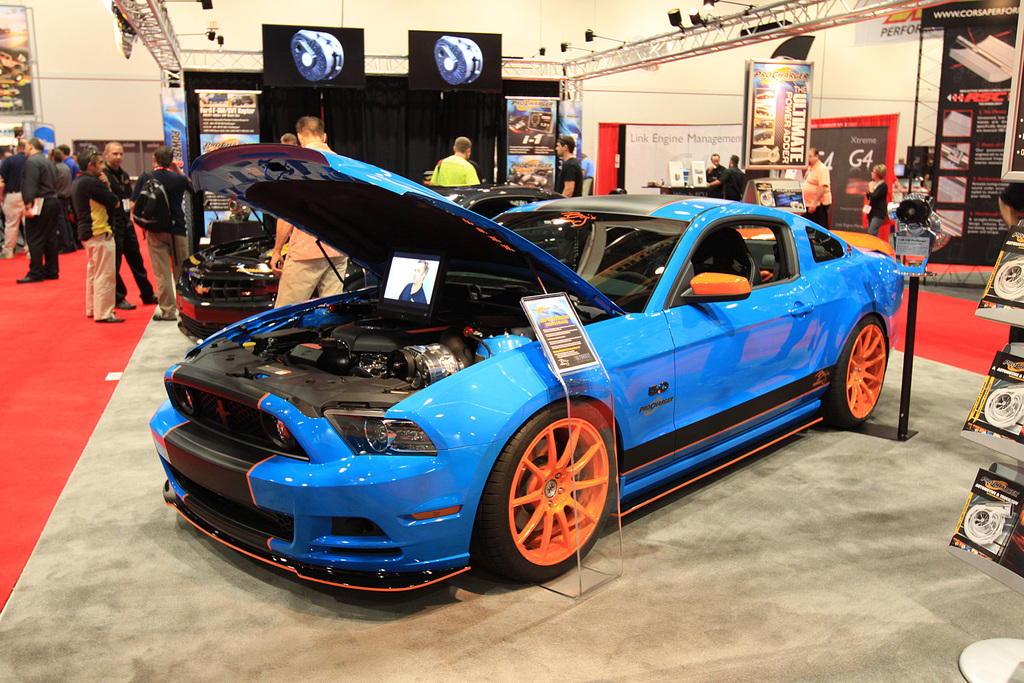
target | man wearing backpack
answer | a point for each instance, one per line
(167, 250)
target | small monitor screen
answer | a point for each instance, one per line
(411, 286)
(900, 170)
(444, 60)
(313, 56)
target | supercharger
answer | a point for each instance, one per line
(318, 55)
(459, 60)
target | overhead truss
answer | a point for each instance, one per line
(779, 19)
(770, 21)
(149, 20)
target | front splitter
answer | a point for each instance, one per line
(367, 581)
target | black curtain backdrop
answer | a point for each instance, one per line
(386, 124)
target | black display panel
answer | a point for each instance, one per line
(315, 56)
(443, 60)
(410, 289)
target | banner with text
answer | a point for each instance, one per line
(175, 124)
(895, 28)
(226, 118)
(850, 152)
(15, 57)
(650, 148)
(970, 135)
(776, 114)
(532, 133)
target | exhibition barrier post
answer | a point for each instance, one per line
(581, 489)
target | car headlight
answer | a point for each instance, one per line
(372, 434)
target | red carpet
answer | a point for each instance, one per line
(948, 332)
(53, 389)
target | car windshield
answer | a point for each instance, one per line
(624, 257)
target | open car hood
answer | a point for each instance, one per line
(366, 212)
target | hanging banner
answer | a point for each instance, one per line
(776, 114)
(15, 56)
(978, 57)
(850, 147)
(895, 28)
(532, 133)
(175, 124)
(570, 122)
(226, 118)
(650, 149)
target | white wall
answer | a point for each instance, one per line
(87, 90)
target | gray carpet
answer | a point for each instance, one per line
(823, 560)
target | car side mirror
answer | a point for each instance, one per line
(712, 287)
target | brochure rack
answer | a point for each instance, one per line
(586, 447)
(989, 535)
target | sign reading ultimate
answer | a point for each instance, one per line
(775, 118)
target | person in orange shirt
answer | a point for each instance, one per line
(306, 270)
(817, 190)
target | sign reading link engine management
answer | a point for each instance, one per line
(776, 116)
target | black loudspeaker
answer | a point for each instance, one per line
(229, 231)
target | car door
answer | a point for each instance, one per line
(740, 363)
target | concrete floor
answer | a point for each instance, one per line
(823, 560)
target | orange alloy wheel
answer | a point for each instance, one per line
(546, 511)
(865, 372)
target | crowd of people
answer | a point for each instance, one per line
(61, 204)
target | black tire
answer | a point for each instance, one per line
(516, 495)
(853, 393)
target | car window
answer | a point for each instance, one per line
(492, 206)
(825, 247)
(623, 257)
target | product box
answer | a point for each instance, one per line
(989, 535)
(1003, 299)
(990, 516)
(996, 419)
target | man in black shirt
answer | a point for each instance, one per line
(167, 251)
(733, 180)
(125, 239)
(93, 203)
(569, 179)
(714, 177)
(39, 192)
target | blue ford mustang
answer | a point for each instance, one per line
(388, 438)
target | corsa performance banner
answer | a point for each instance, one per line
(978, 56)
(850, 147)
(776, 115)
(532, 133)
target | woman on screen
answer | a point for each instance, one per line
(414, 290)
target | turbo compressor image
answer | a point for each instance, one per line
(459, 60)
(318, 55)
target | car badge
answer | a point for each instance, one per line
(202, 289)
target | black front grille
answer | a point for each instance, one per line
(198, 329)
(249, 520)
(219, 290)
(232, 418)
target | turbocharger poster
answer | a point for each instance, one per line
(989, 525)
(776, 115)
(997, 416)
(1003, 298)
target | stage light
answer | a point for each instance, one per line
(207, 4)
(565, 47)
(696, 19)
(589, 35)
(675, 17)
(542, 51)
